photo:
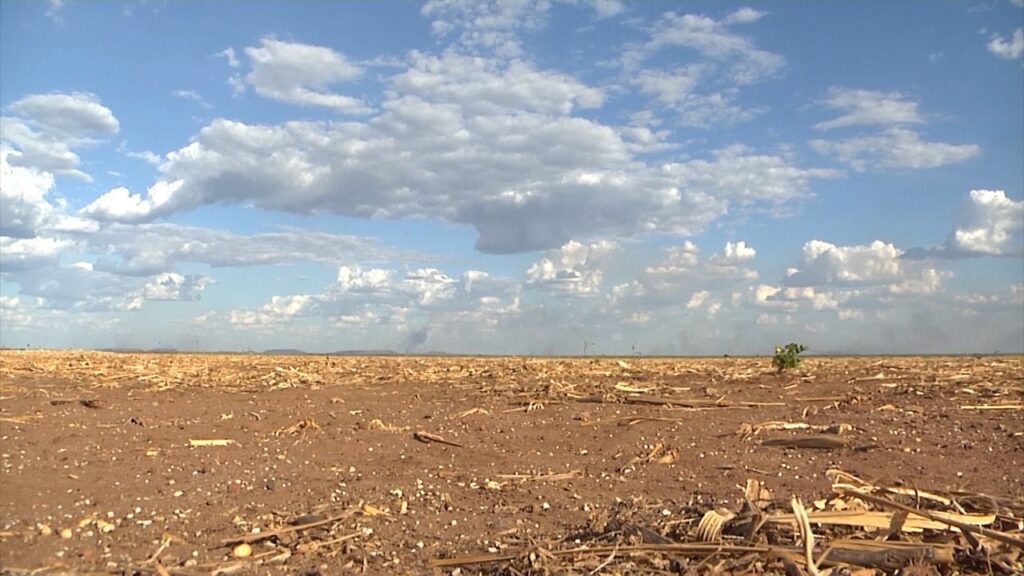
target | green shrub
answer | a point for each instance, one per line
(787, 356)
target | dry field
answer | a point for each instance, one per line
(236, 464)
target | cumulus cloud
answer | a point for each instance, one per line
(826, 263)
(67, 115)
(525, 179)
(301, 74)
(895, 147)
(169, 286)
(737, 252)
(24, 208)
(684, 279)
(989, 223)
(29, 253)
(574, 269)
(869, 107)
(1008, 48)
(876, 264)
(120, 205)
(44, 128)
(388, 304)
(792, 298)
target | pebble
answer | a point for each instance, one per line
(242, 551)
(66, 533)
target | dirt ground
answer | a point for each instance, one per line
(406, 460)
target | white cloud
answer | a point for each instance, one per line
(575, 268)
(1009, 49)
(169, 286)
(735, 252)
(716, 108)
(486, 86)
(146, 156)
(39, 151)
(280, 309)
(729, 60)
(869, 107)
(389, 308)
(237, 85)
(229, 56)
(926, 281)
(683, 279)
(792, 298)
(355, 279)
(524, 180)
(715, 40)
(607, 8)
(877, 264)
(491, 27)
(72, 115)
(23, 205)
(194, 96)
(174, 286)
(54, 10)
(301, 74)
(669, 86)
(745, 15)
(895, 147)
(826, 263)
(45, 127)
(676, 89)
(147, 249)
(29, 253)
(990, 223)
(120, 205)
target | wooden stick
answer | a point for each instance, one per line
(215, 442)
(427, 438)
(818, 441)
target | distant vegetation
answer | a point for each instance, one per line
(788, 356)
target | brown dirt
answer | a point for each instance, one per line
(99, 444)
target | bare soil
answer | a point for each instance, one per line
(406, 460)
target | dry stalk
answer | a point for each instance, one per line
(806, 535)
(963, 526)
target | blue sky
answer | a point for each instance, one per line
(513, 177)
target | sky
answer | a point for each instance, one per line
(513, 177)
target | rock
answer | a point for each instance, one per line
(242, 551)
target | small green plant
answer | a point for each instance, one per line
(788, 356)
